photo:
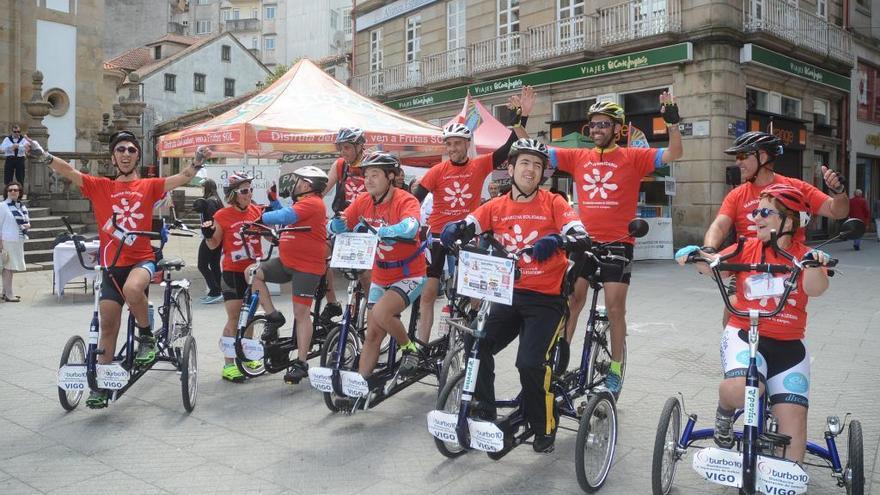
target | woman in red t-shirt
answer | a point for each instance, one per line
(225, 230)
(783, 359)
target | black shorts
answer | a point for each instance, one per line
(234, 285)
(614, 271)
(438, 258)
(302, 284)
(117, 276)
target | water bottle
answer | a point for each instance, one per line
(443, 325)
(150, 311)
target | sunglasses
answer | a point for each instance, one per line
(13, 189)
(765, 212)
(602, 124)
(246, 190)
(743, 156)
(122, 149)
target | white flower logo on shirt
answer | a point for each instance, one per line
(127, 215)
(383, 248)
(599, 185)
(352, 189)
(517, 241)
(457, 194)
(764, 300)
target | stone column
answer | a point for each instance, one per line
(37, 177)
(133, 108)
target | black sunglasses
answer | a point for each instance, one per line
(765, 212)
(122, 149)
(602, 124)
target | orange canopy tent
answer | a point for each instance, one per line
(301, 112)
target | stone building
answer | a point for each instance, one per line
(734, 66)
(865, 102)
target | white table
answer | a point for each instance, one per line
(66, 265)
(657, 245)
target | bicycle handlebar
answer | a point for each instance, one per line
(404, 240)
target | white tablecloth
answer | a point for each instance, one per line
(66, 264)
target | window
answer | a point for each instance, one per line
(508, 23)
(157, 52)
(376, 76)
(791, 107)
(503, 113)
(346, 21)
(455, 36)
(203, 27)
(643, 102)
(868, 97)
(821, 113)
(572, 110)
(236, 14)
(822, 9)
(228, 87)
(413, 37)
(199, 83)
(269, 43)
(570, 29)
(170, 82)
(227, 14)
(255, 45)
(255, 13)
(226, 53)
(270, 12)
(204, 2)
(757, 100)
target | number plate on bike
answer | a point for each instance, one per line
(112, 376)
(72, 377)
(353, 384)
(723, 467)
(227, 347)
(253, 349)
(441, 425)
(485, 277)
(354, 250)
(321, 378)
(780, 476)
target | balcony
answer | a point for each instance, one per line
(501, 52)
(242, 25)
(802, 29)
(573, 35)
(445, 66)
(638, 19)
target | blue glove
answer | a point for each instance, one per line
(686, 251)
(164, 234)
(384, 234)
(451, 233)
(546, 247)
(337, 226)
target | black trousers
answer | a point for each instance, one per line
(209, 267)
(14, 167)
(534, 318)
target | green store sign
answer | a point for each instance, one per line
(674, 54)
(769, 58)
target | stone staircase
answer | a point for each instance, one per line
(44, 229)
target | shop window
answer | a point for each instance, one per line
(773, 102)
(757, 100)
(572, 110)
(821, 112)
(791, 107)
(643, 102)
(503, 113)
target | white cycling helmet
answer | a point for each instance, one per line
(314, 176)
(455, 129)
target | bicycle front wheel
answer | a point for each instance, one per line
(666, 447)
(179, 322)
(189, 376)
(600, 357)
(449, 401)
(331, 358)
(254, 330)
(854, 474)
(596, 442)
(453, 363)
(74, 353)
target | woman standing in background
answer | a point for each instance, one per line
(209, 259)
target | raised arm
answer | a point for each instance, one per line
(34, 151)
(837, 206)
(669, 111)
(203, 153)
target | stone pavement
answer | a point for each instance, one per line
(266, 437)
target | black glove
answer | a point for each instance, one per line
(208, 232)
(670, 113)
(200, 205)
(452, 232)
(577, 243)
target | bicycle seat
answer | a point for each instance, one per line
(171, 264)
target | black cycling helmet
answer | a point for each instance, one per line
(753, 142)
(353, 135)
(380, 159)
(120, 136)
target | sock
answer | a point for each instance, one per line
(409, 346)
(144, 331)
(727, 413)
(615, 367)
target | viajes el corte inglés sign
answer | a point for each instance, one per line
(759, 55)
(673, 54)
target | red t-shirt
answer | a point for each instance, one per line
(230, 219)
(743, 199)
(306, 251)
(858, 208)
(456, 189)
(402, 205)
(789, 324)
(608, 182)
(517, 225)
(354, 182)
(132, 203)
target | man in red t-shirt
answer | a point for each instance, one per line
(858, 208)
(456, 185)
(607, 180)
(348, 179)
(527, 217)
(129, 199)
(302, 262)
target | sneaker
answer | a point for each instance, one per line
(330, 311)
(98, 399)
(212, 299)
(409, 363)
(298, 370)
(204, 298)
(723, 434)
(254, 365)
(232, 373)
(612, 382)
(543, 444)
(147, 350)
(274, 321)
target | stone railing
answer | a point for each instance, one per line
(562, 37)
(636, 19)
(798, 27)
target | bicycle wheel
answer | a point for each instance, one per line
(600, 357)
(666, 447)
(257, 367)
(453, 362)
(330, 358)
(179, 321)
(449, 401)
(74, 353)
(854, 473)
(596, 441)
(189, 373)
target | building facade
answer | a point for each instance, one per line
(734, 66)
(865, 101)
